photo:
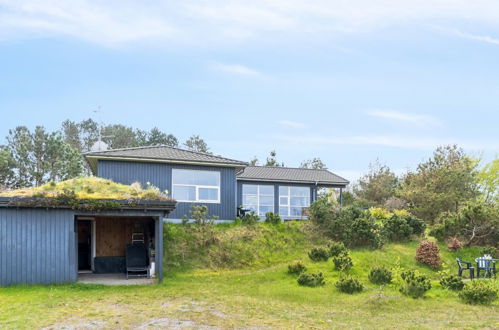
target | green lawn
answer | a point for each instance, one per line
(251, 297)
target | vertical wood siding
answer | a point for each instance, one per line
(37, 246)
(160, 175)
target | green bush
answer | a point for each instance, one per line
(365, 232)
(380, 275)
(337, 248)
(396, 228)
(272, 218)
(494, 252)
(477, 223)
(318, 254)
(418, 225)
(250, 218)
(349, 285)
(296, 267)
(343, 262)
(414, 285)
(452, 282)
(312, 280)
(479, 292)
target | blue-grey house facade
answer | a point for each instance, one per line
(220, 183)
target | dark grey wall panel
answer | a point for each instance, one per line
(160, 175)
(37, 246)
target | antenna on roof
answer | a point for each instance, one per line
(100, 145)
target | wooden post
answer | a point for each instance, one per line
(341, 197)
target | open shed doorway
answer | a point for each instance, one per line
(103, 241)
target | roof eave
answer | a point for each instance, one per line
(319, 183)
(92, 158)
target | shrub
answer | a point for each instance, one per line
(418, 225)
(396, 228)
(365, 232)
(321, 211)
(349, 285)
(428, 253)
(343, 262)
(452, 282)
(380, 275)
(380, 213)
(414, 285)
(250, 218)
(312, 280)
(318, 254)
(297, 267)
(273, 218)
(490, 250)
(454, 244)
(478, 292)
(337, 248)
(477, 223)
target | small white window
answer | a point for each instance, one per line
(196, 186)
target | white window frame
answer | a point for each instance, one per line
(197, 187)
(289, 196)
(258, 196)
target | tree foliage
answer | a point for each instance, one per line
(488, 179)
(195, 143)
(272, 160)
(441, 184)
(314, 163)
(34, 158)
(378, 185)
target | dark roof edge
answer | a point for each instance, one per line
(100, 153)
(323, 183)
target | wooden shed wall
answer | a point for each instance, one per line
(37, 246)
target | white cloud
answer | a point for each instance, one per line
(486, 39)
(236, 69)
(404, 117)
(291, 124)
(164, 22)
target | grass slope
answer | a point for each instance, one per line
(197, 292)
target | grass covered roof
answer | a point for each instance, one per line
(88, 188)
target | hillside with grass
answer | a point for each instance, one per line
(236, 275)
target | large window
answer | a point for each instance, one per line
(196, 186)
(293, 201)
(258, 198)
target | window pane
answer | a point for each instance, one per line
(184, 193)
(250, 200)
(300, 191)
(267, 190)
(249, 189)
(283, 211)
(283, 200)
(251, 208)
(208, 194)
(202, 178)
(300, 201)
(296, 211)
(265, 209)
(283, 191)
(265, 200)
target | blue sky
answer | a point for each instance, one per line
(346, 81)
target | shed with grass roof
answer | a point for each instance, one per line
(52, 233)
